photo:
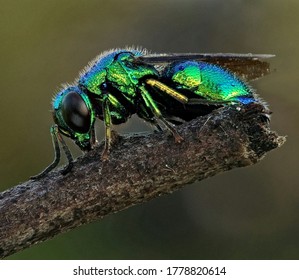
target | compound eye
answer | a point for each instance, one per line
(75, 112)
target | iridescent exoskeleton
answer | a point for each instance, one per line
(163, 89)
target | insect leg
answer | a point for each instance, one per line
(93, 137)
(173, 93)
(107, 122)
(182, 98)
(67, 152)
(157, 113)
(55, 137)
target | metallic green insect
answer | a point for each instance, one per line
(163, 89)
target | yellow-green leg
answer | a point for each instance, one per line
(157, 113)
(168, 90)
(107, 122)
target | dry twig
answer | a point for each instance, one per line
(140, 168)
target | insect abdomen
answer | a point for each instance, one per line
(208, 81)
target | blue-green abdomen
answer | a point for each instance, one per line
(209, 81)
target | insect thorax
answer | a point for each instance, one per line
(116, 72)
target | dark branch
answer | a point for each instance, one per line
(141, 167)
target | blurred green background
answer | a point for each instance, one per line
(249, 213)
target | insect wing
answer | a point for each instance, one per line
(247, 66)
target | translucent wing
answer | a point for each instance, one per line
(247, 66)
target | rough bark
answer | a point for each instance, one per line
(140, 168)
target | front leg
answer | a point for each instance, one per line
(56, 139)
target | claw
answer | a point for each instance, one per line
(105, 155)
(178, 138)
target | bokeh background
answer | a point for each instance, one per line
(249, 213)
